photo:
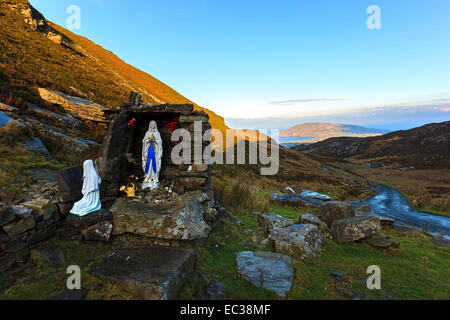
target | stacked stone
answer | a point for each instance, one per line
(23, 226)
(93, 227)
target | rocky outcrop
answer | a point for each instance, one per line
(181, 219)
(272, 271)
(335, 210)
(304, 241)
(270, 221)
(35, 145)
(155, 273)
(81, 108)
(38, 23)
(355, 228)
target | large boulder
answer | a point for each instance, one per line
(181, 219)
(269, 270)
(155, 273)
(270, 221)
(304, 241)
(355, 228)
(335, 210)
(309, 218)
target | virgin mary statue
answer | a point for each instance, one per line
(151, 157)
(91, 193)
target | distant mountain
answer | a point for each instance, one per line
(424, 147)
(328, 130)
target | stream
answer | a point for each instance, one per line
(390, 203)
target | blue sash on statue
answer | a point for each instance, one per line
(151, 157)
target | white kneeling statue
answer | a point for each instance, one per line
(151, 156)
(91, 192)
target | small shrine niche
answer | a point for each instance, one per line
(121, 155)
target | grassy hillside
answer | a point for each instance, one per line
(30, 59)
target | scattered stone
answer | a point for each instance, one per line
(98, 232)
(264, 242)
(20, 226)
(181, 219)
(203, 198)
(385, 221)
(269, 270)
(43, 207)
(335, 210)
(309, 218)
(155, 273)
(53, 257)
(304, 241)
(338, 274)
(355, 228)
(215, 290)
(270, 221)
(380, 241)
(6, 216)
(226, 215)
(21, 212)
(202, 276)
(43, 174)
(67, 295)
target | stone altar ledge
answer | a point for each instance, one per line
(180, 219)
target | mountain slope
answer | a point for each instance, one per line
(320, 129)
(37, 53)
(424, 147)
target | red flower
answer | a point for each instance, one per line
(172, 125)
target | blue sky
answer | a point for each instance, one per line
(277, 63)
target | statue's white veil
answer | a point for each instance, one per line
(91, 180)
